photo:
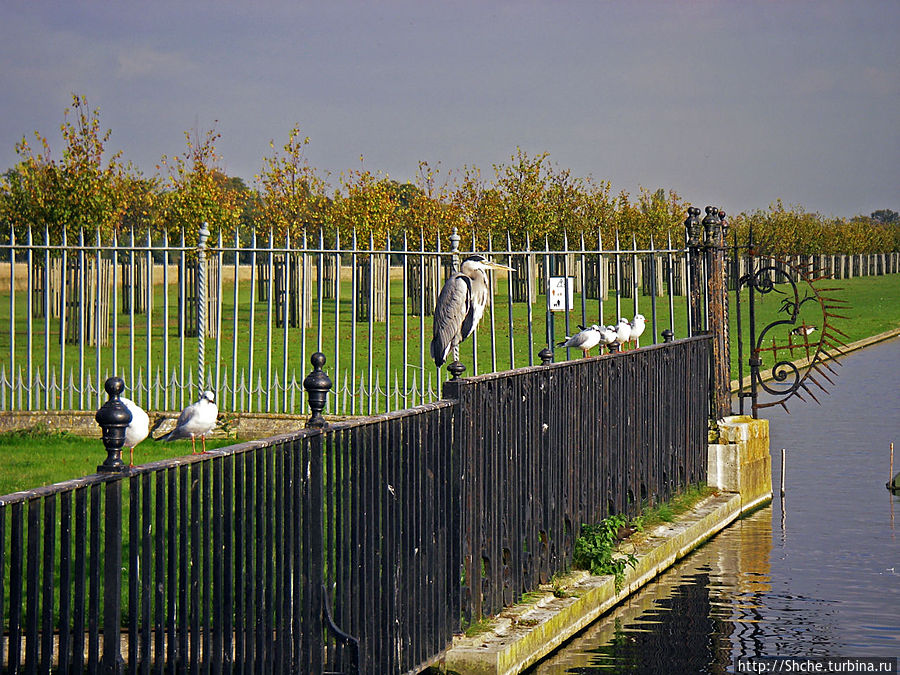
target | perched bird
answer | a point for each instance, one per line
(137, 429)
(198, 419)
(638, 323)
(803, 330)
(460, 305)
(586, 340)
(608, 335)
(623, 331)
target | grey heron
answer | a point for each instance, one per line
(198, 419)
(460, 305)
(139, 427)
(585, 340)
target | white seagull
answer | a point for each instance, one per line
(586, 340)
(608, 335)
(198, 419)
(623, 331)
(637, 327)
(139, 427)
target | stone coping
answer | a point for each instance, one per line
(523, 634)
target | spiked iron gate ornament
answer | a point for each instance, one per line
(783, 338)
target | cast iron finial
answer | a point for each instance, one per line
(456, 369)
(668, 335)
(693, 227)
(317, 385)
(613, 347)
(113, 417)
(724, 225)
(712, 226)
(546, 356)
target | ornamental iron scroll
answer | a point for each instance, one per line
(802, 346)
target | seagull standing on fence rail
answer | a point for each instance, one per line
(623, 331)
(460, 305)
(608, 335)
(638, 323)
(586, 340)
(198, 419)
(139, 427)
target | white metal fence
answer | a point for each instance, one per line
(80, 311)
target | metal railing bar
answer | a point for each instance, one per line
(270, 296)
(337, 322)
(387, 328)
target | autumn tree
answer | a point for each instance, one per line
(293, 198)
(195, 190)
(84, 189)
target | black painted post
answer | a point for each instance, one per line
(694, 231)
(113, 417)
(546, 356)
(668, 335)
(317, 385)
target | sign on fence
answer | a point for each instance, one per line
(562, 294)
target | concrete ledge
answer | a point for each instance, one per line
(523, 634)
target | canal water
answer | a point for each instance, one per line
(815, 574)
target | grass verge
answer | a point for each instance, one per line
(30, 458)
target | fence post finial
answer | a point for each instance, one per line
(546, 356)
(456, 369)
(113, 417)
(317, 385)
(693, 227)
(668, 335)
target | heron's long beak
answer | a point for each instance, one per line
(498, 266)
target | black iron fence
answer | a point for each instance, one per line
(359, 546)
(547, 448)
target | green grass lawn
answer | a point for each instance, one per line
(394, 353)
(30, 458)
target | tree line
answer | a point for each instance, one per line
(527, 198)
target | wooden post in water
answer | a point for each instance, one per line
(782, 472)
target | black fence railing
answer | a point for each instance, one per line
(356, 547)
(547, 448)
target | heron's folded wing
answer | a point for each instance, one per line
(449, 314)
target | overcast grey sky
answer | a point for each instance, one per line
(731, 103)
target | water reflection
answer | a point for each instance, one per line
(815, 574)
(691, 620)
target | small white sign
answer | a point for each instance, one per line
(562, 294)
